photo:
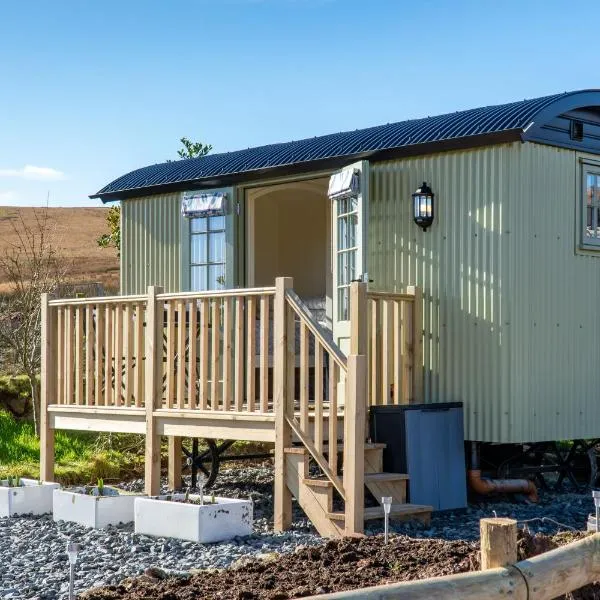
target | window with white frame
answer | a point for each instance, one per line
(207, 253)
(590, 234)
(347, 251)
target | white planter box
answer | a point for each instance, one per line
(93, 510)
(30, 498)
(225, 519)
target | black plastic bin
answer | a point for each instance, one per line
(425, 441)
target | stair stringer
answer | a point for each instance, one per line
(314, 501)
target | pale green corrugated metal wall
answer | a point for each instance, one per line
(555, 316)
(150, 245)
(511, 309)
(461, 265)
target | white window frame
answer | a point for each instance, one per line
(585, 242)
(206, 233)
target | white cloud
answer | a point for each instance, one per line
(34, 173)
(8, 196)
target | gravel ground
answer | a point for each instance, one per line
(34, 563)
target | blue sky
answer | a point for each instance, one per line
(91, 90)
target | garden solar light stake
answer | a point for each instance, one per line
(596, 496)
(72, 551)
(387, 505)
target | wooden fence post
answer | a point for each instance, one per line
(48, 388)
(175, 458)
(418, 373)
(283, 434)
(498, 543)
(153, 388)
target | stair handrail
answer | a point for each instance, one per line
(303, 312)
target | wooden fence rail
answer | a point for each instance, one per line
(544, 577)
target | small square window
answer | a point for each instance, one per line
(577, 131)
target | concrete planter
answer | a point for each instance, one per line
(163, 517)
(29, 498)
(93, 510)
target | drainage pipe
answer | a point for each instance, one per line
(486, 486)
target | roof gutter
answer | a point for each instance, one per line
(332, 163)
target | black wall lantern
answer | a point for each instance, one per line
(423, 200)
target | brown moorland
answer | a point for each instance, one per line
(74, 232)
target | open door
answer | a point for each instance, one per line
(209, 231)
(349, 192)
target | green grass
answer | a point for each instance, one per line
(80, 457)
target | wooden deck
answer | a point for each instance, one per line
(236, 364)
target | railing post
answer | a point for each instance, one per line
(153, 388)
(418, 370)
(48, 388)
(359, 319)
(283, 433)
(354, 443)
(355, 410)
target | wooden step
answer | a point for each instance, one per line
(317, 482)
(381, 477)
(368, 446)
(398, 511)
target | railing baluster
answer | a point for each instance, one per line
(69, 356)
(99, 356)
(192, 353)
(60, 350)
(89, 355)
(397, 348)
(318, 396)
(181, 334)
(239, 354)
(204, 357)
(78, 356)
(171, 384)
(264, 354)
(386, 351)
(251, 354)
(140, 315)
(108, 360)
(374, 367)
(227, 367)
(128, 353)
(118, 354)
(304, 366)
(333, 424)
(216, 356)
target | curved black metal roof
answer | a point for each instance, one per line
(471, 127)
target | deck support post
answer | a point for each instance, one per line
(175, 458)
(282, 518)
(48, 388)
(418, 371)
(153, 392)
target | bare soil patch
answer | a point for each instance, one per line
(336, 565)
(75, 231)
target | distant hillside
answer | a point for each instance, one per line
(75, 231)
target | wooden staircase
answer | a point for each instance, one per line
(321, 399)
(315, 495)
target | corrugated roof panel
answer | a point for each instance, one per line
(462, 124)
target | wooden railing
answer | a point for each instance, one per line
(215, 351)
(395, 347)
(321, 399)
(320, 375)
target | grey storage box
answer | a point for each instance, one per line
(425, 441)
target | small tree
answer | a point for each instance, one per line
(113, 237)
(31, 266)
(193, 149)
